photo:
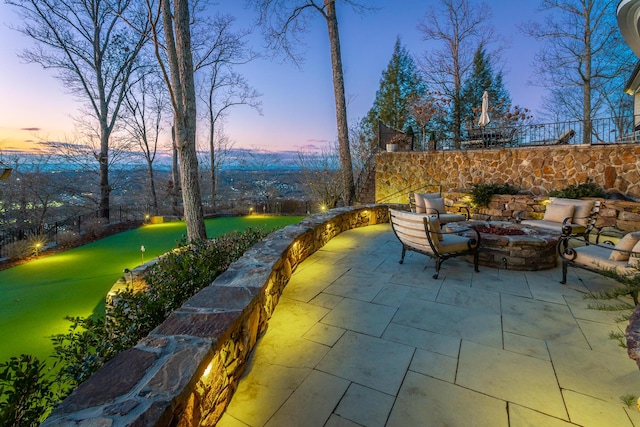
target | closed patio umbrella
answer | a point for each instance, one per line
(484, 116)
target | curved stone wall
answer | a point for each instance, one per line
(184, 373)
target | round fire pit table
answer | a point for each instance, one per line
(512, 246)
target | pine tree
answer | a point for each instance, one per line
(400, 83)
(483, 78)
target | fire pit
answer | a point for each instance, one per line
(513, 246)
(502, 231)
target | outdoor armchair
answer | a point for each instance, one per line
(433, 204)
(422, 233)
(569, 217)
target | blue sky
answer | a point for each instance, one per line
(298, 105)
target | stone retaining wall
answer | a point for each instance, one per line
(184, 373)
(537, 170)
(613, 213)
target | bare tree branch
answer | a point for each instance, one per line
(94, 53)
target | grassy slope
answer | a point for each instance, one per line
(36, 296)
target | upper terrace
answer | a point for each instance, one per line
(621, 129)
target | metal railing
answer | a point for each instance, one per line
(613, 130)
(49, 232)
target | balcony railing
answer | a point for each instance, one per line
(614, 130)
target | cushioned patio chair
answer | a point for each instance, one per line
(433, 204)
(422, 233)
(623, 259)
(569, 217)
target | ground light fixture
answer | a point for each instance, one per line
(130, 273)
(142, 250)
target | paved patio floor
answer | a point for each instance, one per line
(360, 340)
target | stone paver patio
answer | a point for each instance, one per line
(360, 340)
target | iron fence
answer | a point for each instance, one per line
(50, 232)
(613, 130)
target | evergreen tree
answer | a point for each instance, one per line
(483, 78)
(400, 83)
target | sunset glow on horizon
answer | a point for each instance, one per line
(297, 103)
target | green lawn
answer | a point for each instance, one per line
(36, 296)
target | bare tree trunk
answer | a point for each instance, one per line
(94, 53)
(457, 89)
(212, 176)
(586, 89)
(175, 173)
(184, 104)
(341, 104)
(152, 182)
(103, 160)
(212, 148)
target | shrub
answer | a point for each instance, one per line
(177, 276)
(481, 193)
(25, 248)
(609, 299)
(26, 392)
(93, 228)
(67, 238)
(588, 189)
(18, 250)
(81, 351)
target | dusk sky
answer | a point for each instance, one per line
(298, 105)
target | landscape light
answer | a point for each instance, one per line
(207, 371)
(130, 273)
(147, 217)
(37, 247)
(142, 249)
(323, 207)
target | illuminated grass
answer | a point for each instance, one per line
(36, 296)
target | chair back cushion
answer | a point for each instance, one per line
(558, 212)
(420, 200)
(435, 204)
(582, 209)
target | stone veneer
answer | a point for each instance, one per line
(623, 215)
(535, 170)
(184, 373)
(538, 170)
